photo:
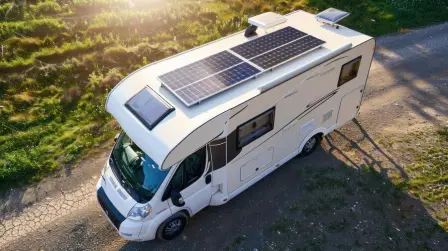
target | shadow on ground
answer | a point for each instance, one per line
(315, 203)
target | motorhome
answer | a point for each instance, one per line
(200, 127)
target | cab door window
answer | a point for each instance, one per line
(188, 172)
(177, 181)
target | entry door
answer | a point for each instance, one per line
(191, 180)
(349, 106)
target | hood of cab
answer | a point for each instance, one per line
(122, 201)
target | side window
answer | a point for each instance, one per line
(189, 171)
(349, 71)
(193, 166)
(255, 128)
(177, 182)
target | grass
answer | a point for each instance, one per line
(281, 225)
(59, 59)
(51, 54)
(33, 28)
(429, 173)
(239, 239)
(427, 153)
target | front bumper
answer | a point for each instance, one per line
(109, 209)
(128, 229)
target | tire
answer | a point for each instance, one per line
(172, 227)
(311, 145)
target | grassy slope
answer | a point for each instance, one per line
(428, 154)
(61, 58)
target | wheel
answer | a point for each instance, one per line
(172, 227)
(311, 145)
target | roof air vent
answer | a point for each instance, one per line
(265, 21)
(331, 16)
(251, 31)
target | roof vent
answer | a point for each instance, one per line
(251, 31)
(331, 16)
(265, 21)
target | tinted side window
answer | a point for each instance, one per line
(194, 166)
(189, 171)
(349, 71)
(177, 182)
(255, 128)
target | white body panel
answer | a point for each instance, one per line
(349, 105)
(304, 94)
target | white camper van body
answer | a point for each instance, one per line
(300, 100)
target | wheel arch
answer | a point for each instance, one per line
(319, 131)
(183, 211)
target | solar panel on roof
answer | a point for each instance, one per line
(149, 107)
(287, 52)
(268, 42)
(198, 70)
(205, 88)
(204, 78)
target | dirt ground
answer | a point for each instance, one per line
(354, 193)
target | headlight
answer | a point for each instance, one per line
(139, 212)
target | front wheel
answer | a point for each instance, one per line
(172, 227)
(311, 145)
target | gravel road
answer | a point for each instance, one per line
(407, 89)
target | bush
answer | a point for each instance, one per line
(88, 6)
(117, 54)
(113, 77)
(49, 7)
(27, 44)
(71, 96)
(37, 27)
(11, 12)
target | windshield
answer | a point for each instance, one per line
(138, 170)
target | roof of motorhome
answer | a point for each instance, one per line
(159, 141)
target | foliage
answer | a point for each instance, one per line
(36, 27)
(49, 7)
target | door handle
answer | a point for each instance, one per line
(208, 179)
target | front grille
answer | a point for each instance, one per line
(112, 213)
(113, 182)
(123, 196)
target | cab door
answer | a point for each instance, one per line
(193, 181)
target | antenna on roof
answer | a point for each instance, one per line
(265, 21)
(331, 16)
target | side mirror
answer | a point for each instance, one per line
(116, 137)
(177, 199)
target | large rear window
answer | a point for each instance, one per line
(149, 107)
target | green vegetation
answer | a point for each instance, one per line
(428, 177)
(59, 59)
